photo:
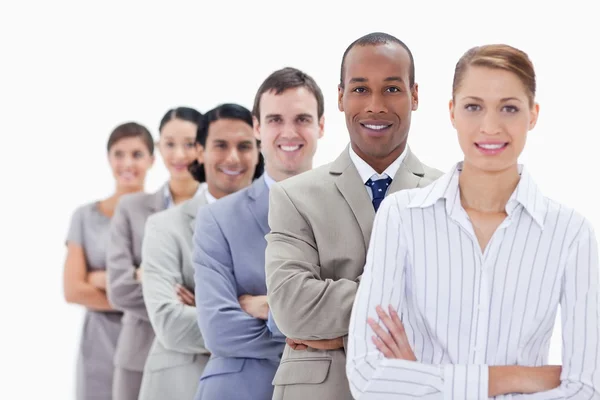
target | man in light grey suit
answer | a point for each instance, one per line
(225, 142)
(229, 245)
(321, 221)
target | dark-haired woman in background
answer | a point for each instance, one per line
(177, 149)
(130, 154)
(228, 160)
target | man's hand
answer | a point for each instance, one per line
(138, 274)
(97, 279)
(185, 296)
(325, 344)
(393, 343)
(255, 306)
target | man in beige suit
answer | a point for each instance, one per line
(321, 220)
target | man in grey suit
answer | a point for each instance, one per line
(321, 221)
(228, 161)
(229, 245)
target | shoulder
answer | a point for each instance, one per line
(403, 199)
(86, 208)
(559, 216)
(431, 174)
(227, 204)
(165, 218)
(309, 181)
(135, 199)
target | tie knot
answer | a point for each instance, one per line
(379, 187)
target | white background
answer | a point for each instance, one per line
(71, 71)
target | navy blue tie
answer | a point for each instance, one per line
(379, 188)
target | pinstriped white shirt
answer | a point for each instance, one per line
(464, 309)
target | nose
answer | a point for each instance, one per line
(233, 158)
(376, 104)
(128, 161)
(289, 131)
(490, 124)
(179, 152)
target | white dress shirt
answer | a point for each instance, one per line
(367, 172)
(464, 309)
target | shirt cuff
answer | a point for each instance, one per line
(466, 381)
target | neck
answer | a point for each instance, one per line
(279, 176)
(183, 189)
(380, 164)
(487, 192)
(214, 191)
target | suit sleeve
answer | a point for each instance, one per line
(123, 290)
(174, 323)
(228, 331)
(304, 305)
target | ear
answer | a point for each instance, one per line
(340, 95)
(200, 151)
(152, 159)
(321, 126)
(415, 97)
(256, 128)
(451, 109)
(535, 112)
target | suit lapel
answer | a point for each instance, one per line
(190, 207)
(156, 201)
(353, 190)
(258, 193)
(408, 175)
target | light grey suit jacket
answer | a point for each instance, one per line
(124, 256)
(321, 224)
(229, 261)
(177, 357)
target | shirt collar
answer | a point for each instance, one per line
(209, 197)
(169, 199)
(268, 180)
(367, 172)
(526, 194)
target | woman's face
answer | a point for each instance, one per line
(130, 160)
(492, 114)
(177, 147)
(230, 156)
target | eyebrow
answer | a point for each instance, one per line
(388, 79)
(272, 116)
(223, 141)
(304, 115)
(501, 100)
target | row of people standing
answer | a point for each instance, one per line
(192, 271)
(104, 270)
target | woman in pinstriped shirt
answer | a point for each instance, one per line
(474, 267)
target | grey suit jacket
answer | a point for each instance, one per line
(321, 224)
(177, 357)
(229, 256)
(124, 256)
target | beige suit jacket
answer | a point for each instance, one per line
(321, 224)
(177, 357)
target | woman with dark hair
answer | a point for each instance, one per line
(177, 148)
(130, 151)
(228, 160)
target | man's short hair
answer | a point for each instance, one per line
(288, 78)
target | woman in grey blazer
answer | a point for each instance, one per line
(176, 145)
(229, 159)
(130, 154)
